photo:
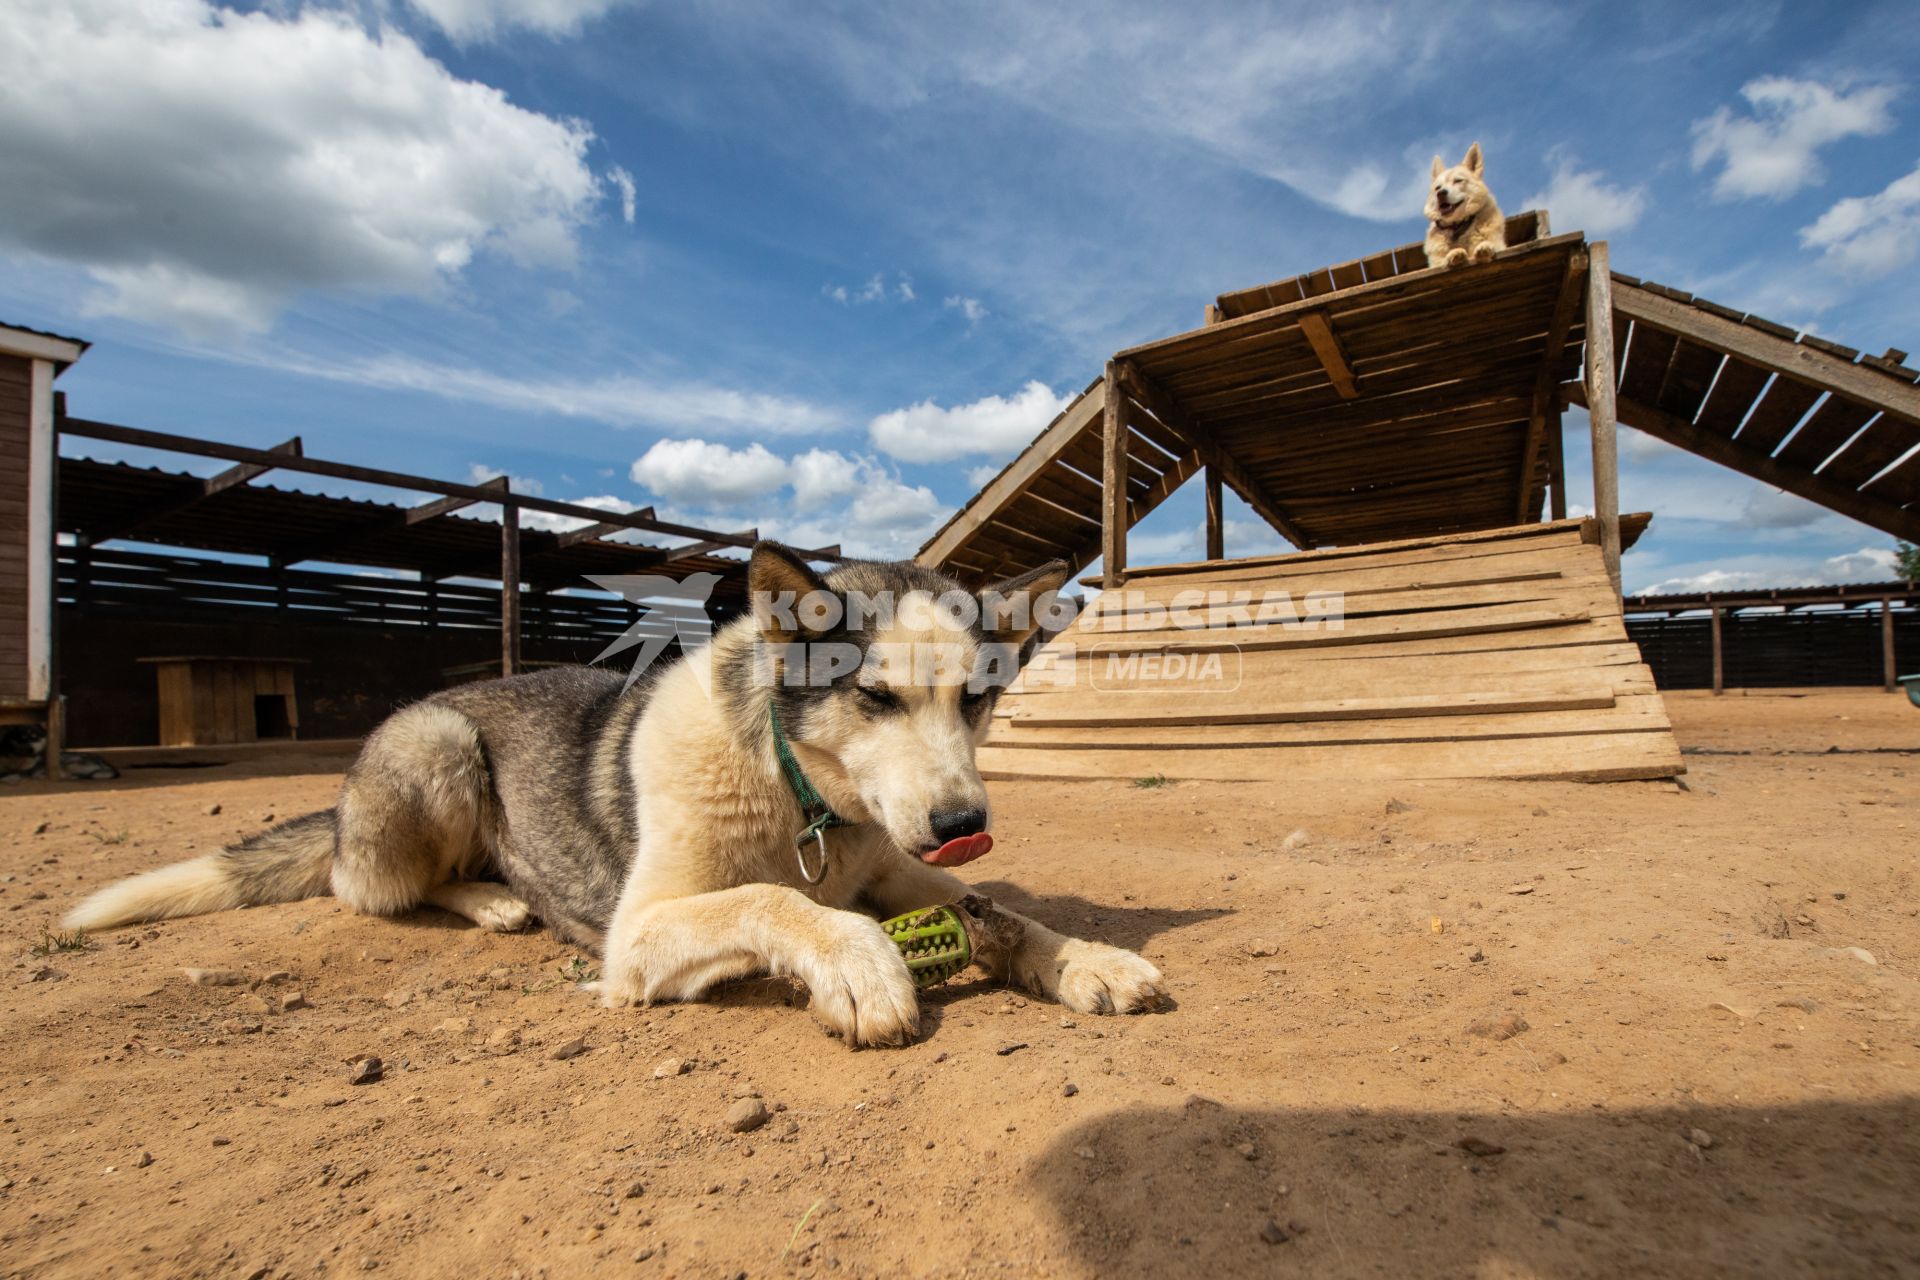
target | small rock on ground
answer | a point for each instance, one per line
(747, 1115)
(667, 1068)
(215, 977)
(571, 1049)
(1505, 1027)
(365, 1071)
(1480, 1146)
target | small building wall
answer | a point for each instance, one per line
(16, 398)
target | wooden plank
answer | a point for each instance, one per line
(1600, 406)
(1113, 492)
(1580, 758)
(1825, 430)
(1690, 374)
(1216, 516)
(1593, 594)
(1872, 451)
(1149, 709)
(1563, 534)
(1638, 713)
(1864, 505)
(1732, 397)
(1560, 669)
(1793, 359)
(1782, 406)
(509, 589)
(1547, 381)
(1332, 356)
(1439, 624)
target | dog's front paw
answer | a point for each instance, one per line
(1483, 253)
(1456, 257)
(1101, 979)
(860, 988)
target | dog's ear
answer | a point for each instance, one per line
(1475, 162)
(778, 584)
(1012, 610)
(1439, 166)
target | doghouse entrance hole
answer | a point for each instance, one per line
(270, 719)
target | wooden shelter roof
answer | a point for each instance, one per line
(288, 527)
(1796, 411)
(1411, 405)
(1375, 400)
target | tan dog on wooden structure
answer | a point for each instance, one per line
(1467, 223)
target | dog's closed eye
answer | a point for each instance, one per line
(877, 697)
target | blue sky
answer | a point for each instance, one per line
(817, 267)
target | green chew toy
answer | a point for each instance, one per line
(934, 943)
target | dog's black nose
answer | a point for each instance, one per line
(951, 824)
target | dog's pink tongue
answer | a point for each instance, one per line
(955, 852)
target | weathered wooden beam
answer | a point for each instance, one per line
(509, 588)
(1216, 520)
(448, 505)
(693, 549)
(1799, 360)
(1113, 479)
(1547, 381)
(1232, 471)
(1600, 407)
(1864, 507)
(1886, 644)
(232, 478)
(1333, 356)
(587, 533)
(1557, 462)
(1719, 664)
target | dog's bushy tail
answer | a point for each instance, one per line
(291, 861)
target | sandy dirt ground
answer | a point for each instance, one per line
(1479, 1029)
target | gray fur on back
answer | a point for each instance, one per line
(565, 816)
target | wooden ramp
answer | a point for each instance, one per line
(1498, 654)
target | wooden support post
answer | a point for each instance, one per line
(1113, 481)
(509, 588)
(1216, 521)
(1557, 464)
(1600, 407)
(1886, 643)
(1719, 664)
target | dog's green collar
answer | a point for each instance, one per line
(819, 814)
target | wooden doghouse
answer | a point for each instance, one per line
(206, 700)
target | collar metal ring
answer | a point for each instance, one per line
(800, 855)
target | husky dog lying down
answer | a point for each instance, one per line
(721, 817)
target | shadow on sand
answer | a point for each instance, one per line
(1811, 1189)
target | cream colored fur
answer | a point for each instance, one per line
(716, 893)
(1465, 222)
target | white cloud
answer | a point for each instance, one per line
(621, 400)
(1870, 235)
(819, 476)
(552, 523)
(629, 194)
(856, 502)
(874, 290)
(1764, 573)
(471, 20)
(480, 473)
(1773, 152)
(906, 288)
(204, 166)
(1776, 509)
(1582, 200)
(971, 308)
(699, 471)
(925, 432)
(979, 476)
